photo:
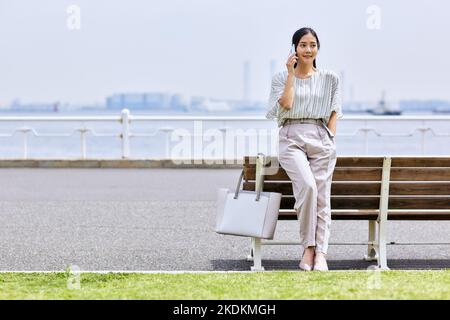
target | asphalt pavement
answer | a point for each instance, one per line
(162, 219)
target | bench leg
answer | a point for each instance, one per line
(252, 250)
(371, 252)
(382, 253)
(257, 265)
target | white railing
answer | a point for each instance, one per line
(222, 123)
(423, 128)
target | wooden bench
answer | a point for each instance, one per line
(377, 189)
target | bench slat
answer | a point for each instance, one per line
(440, 202)
(372, 215)
(419, 188)
(396, 202)
(421, 161)
(368, 174)
(420, 174)
(350, 215)
(344, 203)
(341, 161)
(370, 161)
(337, 188)
(364, 188)
(340, 174)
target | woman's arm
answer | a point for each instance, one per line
(332, 122)
(287, 97)
(336, 104)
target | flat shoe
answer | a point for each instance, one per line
(320, 265)
(305, 267)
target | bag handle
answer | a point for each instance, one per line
(258, 191)
(239, 184)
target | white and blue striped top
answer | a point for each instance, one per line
(315, 97)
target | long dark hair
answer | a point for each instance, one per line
(299, 34)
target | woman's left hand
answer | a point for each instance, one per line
(332, 122)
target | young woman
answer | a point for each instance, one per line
(306, 103)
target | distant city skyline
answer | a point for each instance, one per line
(201, 48)
(157, 102)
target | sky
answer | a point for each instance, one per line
(198, 47)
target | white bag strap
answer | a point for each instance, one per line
(236, 193)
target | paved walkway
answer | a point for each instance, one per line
(162, 219)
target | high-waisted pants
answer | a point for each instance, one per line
(307, 152)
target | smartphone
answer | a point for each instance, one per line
(294, 51)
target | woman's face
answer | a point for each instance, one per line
(307, 49)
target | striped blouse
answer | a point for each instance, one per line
(315, 97)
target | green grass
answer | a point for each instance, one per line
(259, 285)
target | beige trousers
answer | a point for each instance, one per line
(307, 153)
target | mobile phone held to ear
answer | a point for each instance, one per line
(294, 51)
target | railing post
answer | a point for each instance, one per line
(83, 142)
(25, 131)
(25, 143)
(224, 130)
(125, 135)
(423, 130)
(366, 139)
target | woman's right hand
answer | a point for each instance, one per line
(292, 60)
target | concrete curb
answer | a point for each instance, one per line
(120, 163)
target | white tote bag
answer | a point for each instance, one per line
(247, 213)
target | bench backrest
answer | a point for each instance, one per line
(419, 183)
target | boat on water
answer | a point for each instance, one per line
(384, 109)
(386, 112)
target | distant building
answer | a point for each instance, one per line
(442, 108)
(353, 106)
(249, 106)
(16, 105)
(179, 102)
(148, 101)
(197, 103)
(425, 105)
(203, 104)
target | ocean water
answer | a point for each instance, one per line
(204, 139)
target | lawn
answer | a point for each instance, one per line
(245, 285)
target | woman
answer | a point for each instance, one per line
(306, 103)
